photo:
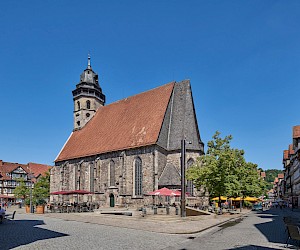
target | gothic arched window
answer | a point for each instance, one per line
(78, 105)
(112, 173)
(88, 104)
(190, 185)
(138, 176)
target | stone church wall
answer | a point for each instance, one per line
(93, 174)
(174, 158)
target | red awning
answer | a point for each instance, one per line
(3, 196)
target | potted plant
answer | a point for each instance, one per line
(41, 192)
(22, 192)
(40, 206)
(27, 205)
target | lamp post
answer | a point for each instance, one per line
(30, 194)
(183, 187)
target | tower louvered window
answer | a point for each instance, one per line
(138, 177)
(88, 104)
(112, 173)
(190, 185)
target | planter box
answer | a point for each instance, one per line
(27, 207)
(40, 209)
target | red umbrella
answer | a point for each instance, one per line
(80, 192)
(164, 192)
(178, 193)
(60, 192)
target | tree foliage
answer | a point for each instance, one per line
(41, 189)
(21, 191)
(271, 174)
(223, 171)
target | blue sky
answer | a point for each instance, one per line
(242, 58)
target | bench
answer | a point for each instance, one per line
(127, 213)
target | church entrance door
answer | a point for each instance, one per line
(111, 200)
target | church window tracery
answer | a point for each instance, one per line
(190, 185)
(112, 173)
(138, 177)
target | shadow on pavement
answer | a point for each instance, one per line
(273, 230)
(249, 247)
(15, 233)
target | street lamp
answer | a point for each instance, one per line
(183, 186)
(182, 202)
(30, 176)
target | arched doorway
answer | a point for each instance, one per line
(111, 200)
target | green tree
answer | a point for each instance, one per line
(41, 189)
(21, 191)
(216, 170)
(271, 174)
(224, 171)
(251, 184)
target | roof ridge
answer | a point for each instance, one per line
(124, 99)
(131, 122)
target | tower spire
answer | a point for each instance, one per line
(89, 61)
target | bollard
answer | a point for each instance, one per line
(176, 210)
(155, 210)
(168, 210)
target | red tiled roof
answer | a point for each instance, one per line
(296, 131)
(280, 176)
(36, 169)
(291, 149)
(132, 122)
(285, 154)
(8, 167)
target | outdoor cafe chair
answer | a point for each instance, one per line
(293, 234)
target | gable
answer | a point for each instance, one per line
(180, 120)
(19, 170)
(132, 122)
(170, 176)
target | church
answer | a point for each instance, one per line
(122, 151)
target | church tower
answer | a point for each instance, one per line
(87, 97)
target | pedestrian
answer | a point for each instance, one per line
(2, 214)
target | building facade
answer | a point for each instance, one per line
(10, 173)
(291, 164)
(122, 151)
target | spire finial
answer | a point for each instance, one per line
(89, 61)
